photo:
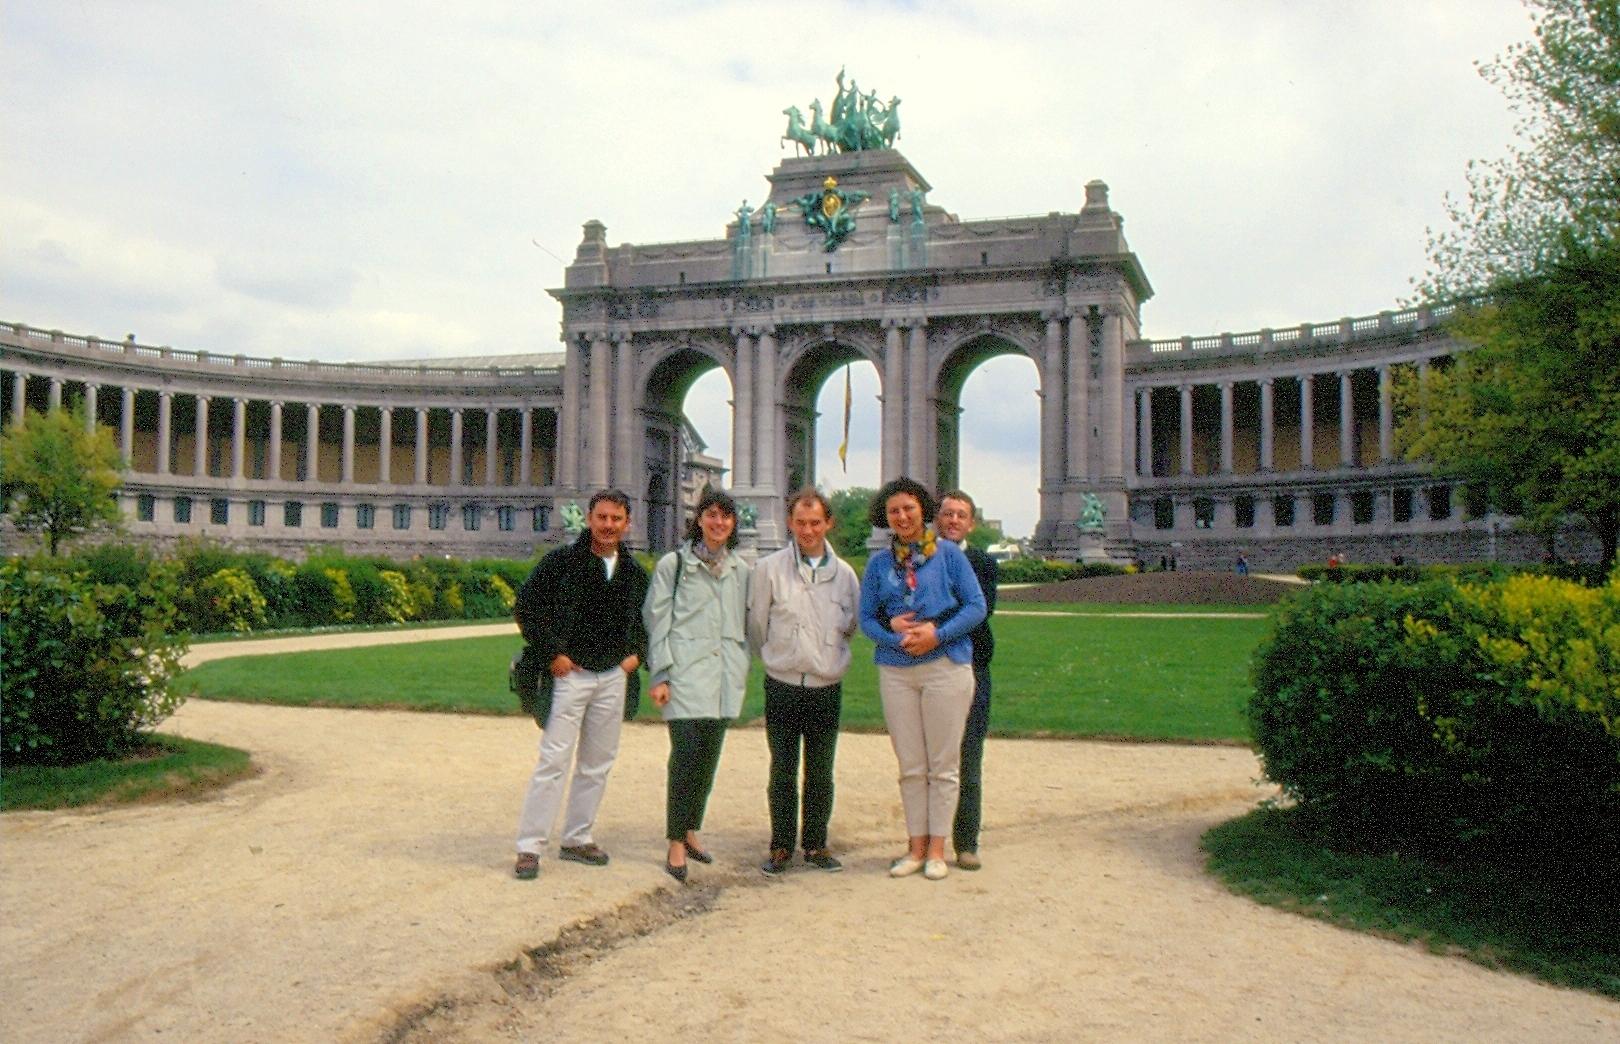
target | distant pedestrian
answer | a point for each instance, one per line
(1242, 564)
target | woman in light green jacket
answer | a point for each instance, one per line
(696, 614)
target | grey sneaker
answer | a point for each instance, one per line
(968, 860)
(776, 864)
(821, 859)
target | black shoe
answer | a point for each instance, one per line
(821, 859)
(591, 854)
(697, 853)
(777, 863)
(528, 866)
(677, 872)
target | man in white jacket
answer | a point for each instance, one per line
(803, 606)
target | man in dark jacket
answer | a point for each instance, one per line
(954, 521)
(580, 613)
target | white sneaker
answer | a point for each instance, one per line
(935, 869)
(905, 866)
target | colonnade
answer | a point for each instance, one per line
(1350, 453)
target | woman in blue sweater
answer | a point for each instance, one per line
(919, 601)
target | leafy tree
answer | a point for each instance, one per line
(1561, 178)
(59, 478)
(851, 524)
(1531, 411)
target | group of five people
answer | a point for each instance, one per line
(592, 616)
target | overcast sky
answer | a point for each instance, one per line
(369, 181)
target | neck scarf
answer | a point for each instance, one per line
(714, 561)
(909, 557)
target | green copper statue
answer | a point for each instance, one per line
(831, 210)
(855, 122)
(573, 518)
(1092, 513)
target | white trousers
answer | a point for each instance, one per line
(587, 710)
(925, 708)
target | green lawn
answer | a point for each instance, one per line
(1053, 676)
(1558, 923)
(168, 767)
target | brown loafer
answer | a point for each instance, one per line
(591, 854)
(528, 866)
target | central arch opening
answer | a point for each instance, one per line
(686, 442)
(988, 438)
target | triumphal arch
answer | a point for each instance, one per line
(847, 258)
(1277, 444)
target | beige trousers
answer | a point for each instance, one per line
(925, 708)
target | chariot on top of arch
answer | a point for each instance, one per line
(857, 122)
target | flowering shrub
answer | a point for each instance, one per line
(88, 666)
(399, 604)
(1445, 715)
(230, 602)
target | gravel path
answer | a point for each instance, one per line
(360, 889)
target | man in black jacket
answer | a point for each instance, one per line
(954, 521)
(580, 612)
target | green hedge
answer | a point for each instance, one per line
(1043, 571)
(219, 589)
(88, 666)
(1480, 572)
(1443, 716)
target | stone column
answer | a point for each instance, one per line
(348, 444)
(455, 446)
(1113, 383)
(385, 446)
(199, 455)
(919, 419)
(1225, 514)
(568, 430)
(742, 413)
(768, 469)
(626, 445)
(1186, 429)
(1307, 422)
(273, 467)
(1052, 461)
(421, 445)
(238, 436)
(492, 417)
(1227, 423)
(1144, 434)
(1077, 409)
(312, 441)
(1386, 415)
(1183, 513)
(525, 445)
(126, 427)
(55, 400)
(1383, 507)
(19, 395)
(1265, 519)
(1304, 510)
(894, 421)
(596, 439)
(1268, 426)
(1347, 420)
(90, 407)
(165, 430)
